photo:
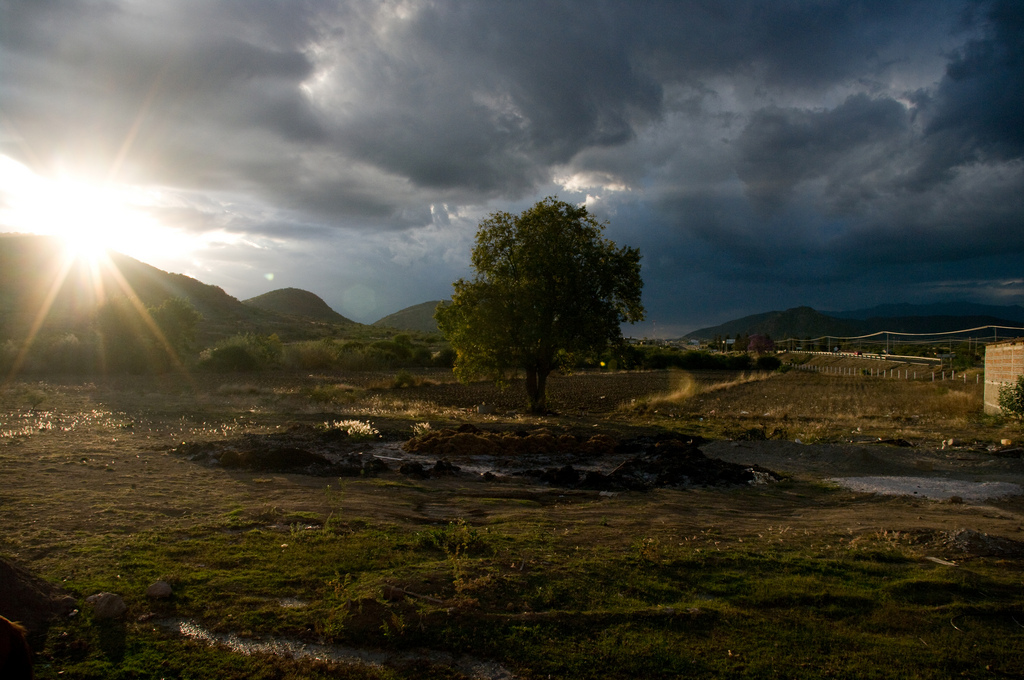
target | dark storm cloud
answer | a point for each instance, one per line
(978, 109)
(783, 151)
(781, 147)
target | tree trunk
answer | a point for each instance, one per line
(536, 383)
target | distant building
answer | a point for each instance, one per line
(1004, 362)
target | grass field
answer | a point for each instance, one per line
(391, 576)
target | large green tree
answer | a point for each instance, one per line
(549, 290)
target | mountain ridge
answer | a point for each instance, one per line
(806, 322)
(418, 318)
(35, 275)
(297, 302)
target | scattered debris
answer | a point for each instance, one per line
(301, 449)
(978, 544)
(899, 441)
(636, 464)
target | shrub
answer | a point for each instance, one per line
(738, 362)
(767, 363)
(445, 358)
(248, 352)
(1011, 398)
(403, 379)
(311, 355)
(229, 359)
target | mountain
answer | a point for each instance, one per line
(799, 322)
(416, 318)
(1013, 313)
(804, 322)
(36, 276)
(297, 302)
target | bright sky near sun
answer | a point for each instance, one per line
(92, 217)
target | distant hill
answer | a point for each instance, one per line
(799, 322)
(297, 302)
(804, 322)
(1013, 313)
(34, 268)
(416, 318)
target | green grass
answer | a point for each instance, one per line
(545, 583)
(591, 603)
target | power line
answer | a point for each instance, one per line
(901, 335)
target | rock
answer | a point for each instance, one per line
(978, 544)
(899, 441)
(413, 469)
(393, 594)
(444, 467)
(107, 605)
(159, 590)
(1006, 442)
(375, 465)
(28, 599)
(563, 476)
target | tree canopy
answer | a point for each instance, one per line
(549, 290)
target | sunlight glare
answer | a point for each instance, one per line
(90, 218)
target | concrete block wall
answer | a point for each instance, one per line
(1004, 361)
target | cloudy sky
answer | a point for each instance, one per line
(761, 155)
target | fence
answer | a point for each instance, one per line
(894, 373)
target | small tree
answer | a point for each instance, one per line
(760, 344)
(1011, 398)
(549, 291)
(177, 319)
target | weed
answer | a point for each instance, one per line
(403, 379)
(333, 394)
(357, 430)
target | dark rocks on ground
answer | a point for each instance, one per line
(469, 440)
(666, 463)
(375, 466)
(159, 590)
(441, 468)
(107, 605)
(30, 600)
(413, 469)
(563, 476)
(300, 449)
(1016, 452)
(444, 467)
(978, 544)
(898, 441)
(275, 459)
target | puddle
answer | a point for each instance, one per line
(930, 487)
(392, 454)
(474, 668)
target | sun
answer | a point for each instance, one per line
(90, 218)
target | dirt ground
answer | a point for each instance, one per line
(81, 459)
(91, 460)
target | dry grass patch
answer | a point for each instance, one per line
(687, 385)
